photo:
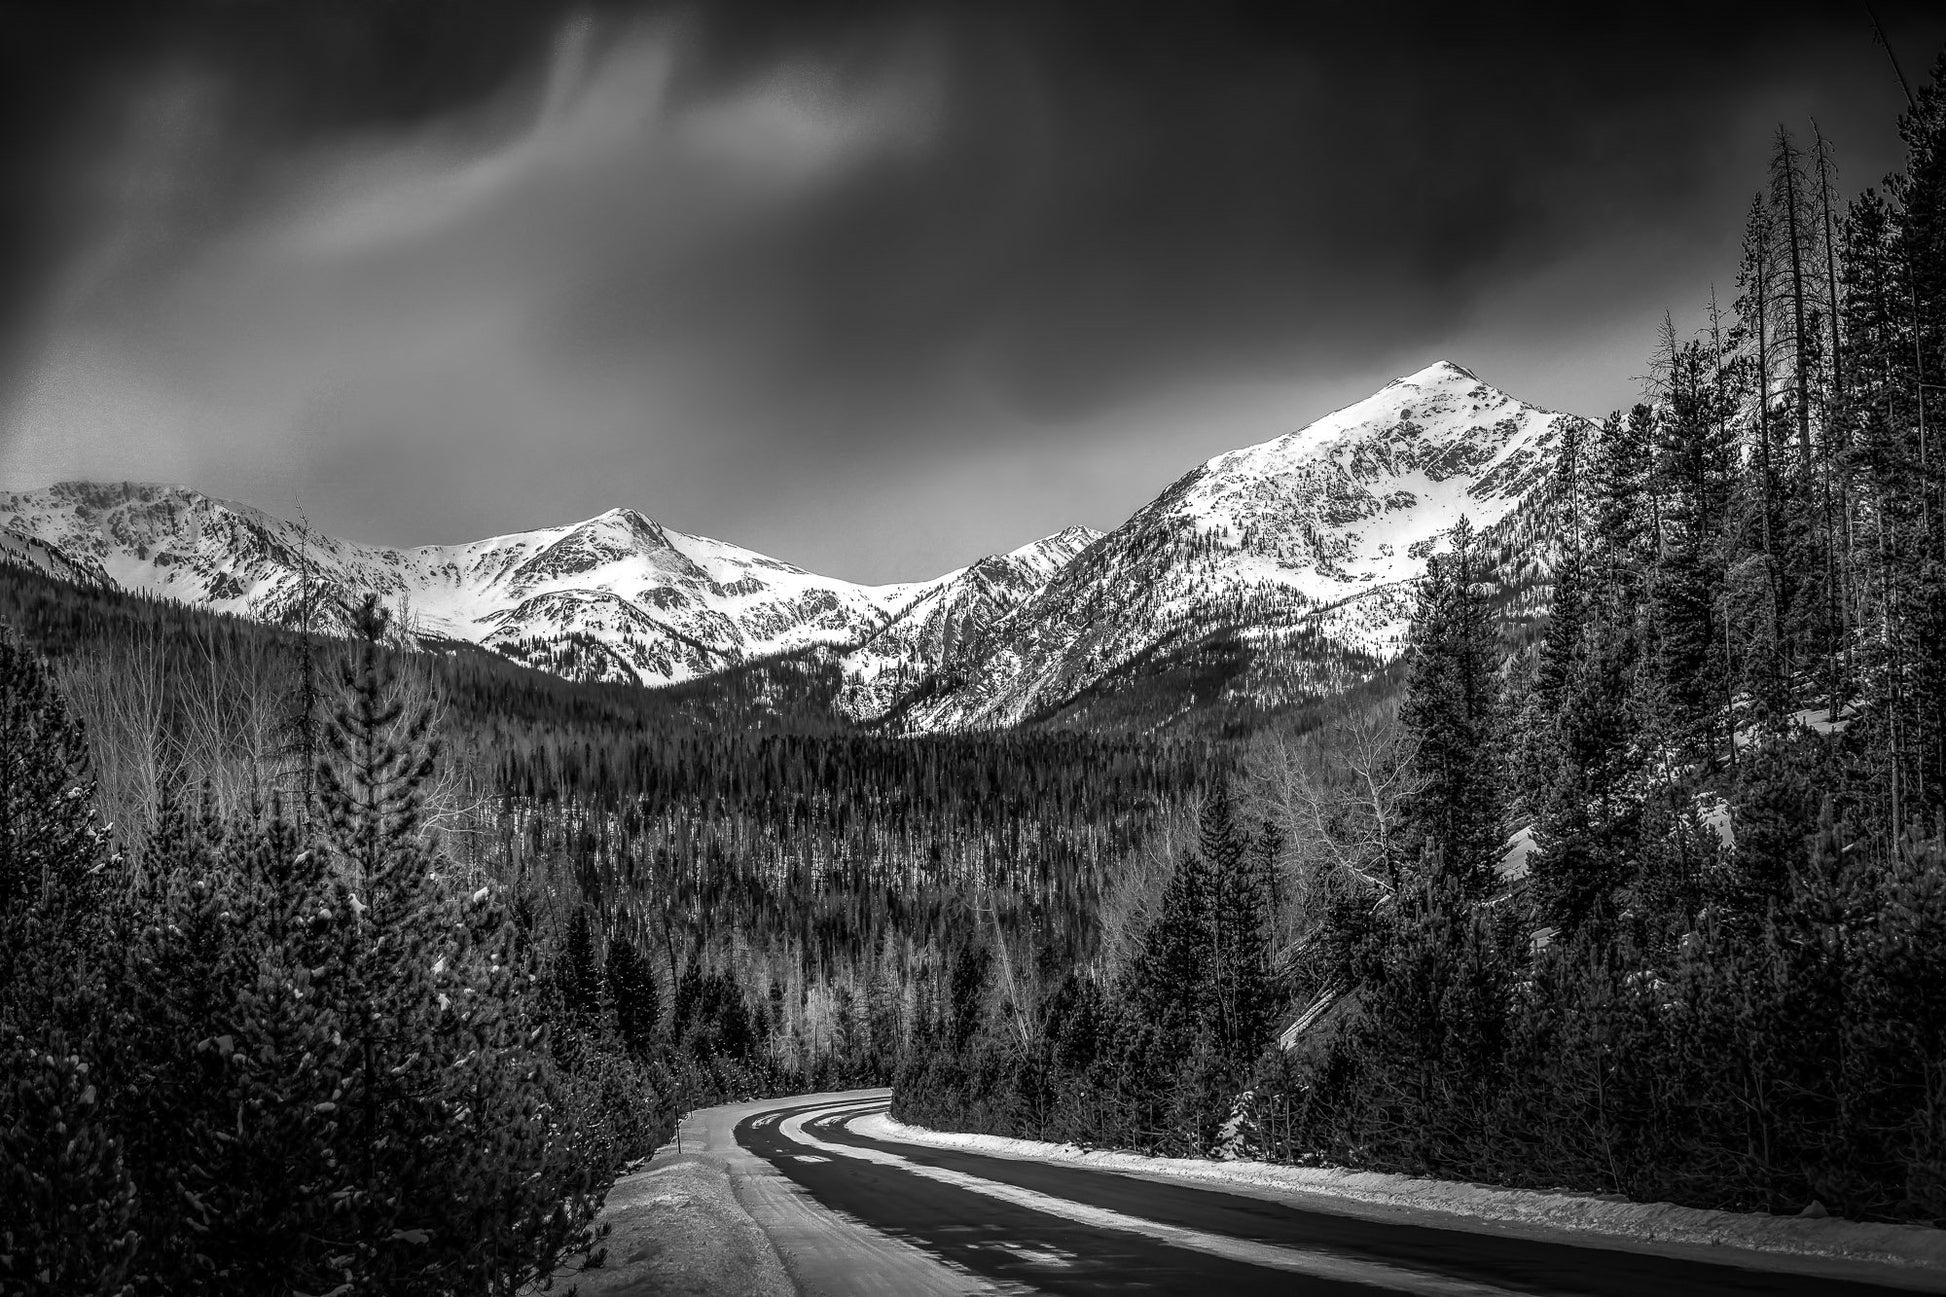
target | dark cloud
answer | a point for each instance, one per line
(73, 76)
(829, 279)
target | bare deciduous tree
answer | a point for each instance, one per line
(1336, 799)
(119, 692)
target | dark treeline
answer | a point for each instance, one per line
(1650, 899)
(1222, 682)
(824, 876)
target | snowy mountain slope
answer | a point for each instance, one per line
(1302, 549)
(1268, 577)
(27, 551)
(946, 626)
(616, 597)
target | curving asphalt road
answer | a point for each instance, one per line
(856, 1215)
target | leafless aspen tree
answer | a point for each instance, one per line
(1338, 815)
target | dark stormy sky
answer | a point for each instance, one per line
(876, 289)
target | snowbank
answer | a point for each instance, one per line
(676, 1227)
(1450, 1204)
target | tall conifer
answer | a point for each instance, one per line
(1452, 707)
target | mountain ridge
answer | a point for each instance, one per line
(1290, 561)
(1315, 535)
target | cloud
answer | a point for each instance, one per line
(415, 286)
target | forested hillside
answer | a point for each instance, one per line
(1652, 902)
(712, 892)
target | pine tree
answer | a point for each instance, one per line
(371, 781)
(1695, 468)
(1567, 609)
(1164, 1002)
(1452, 707)
(632, 990)
(1790, 197)
(965, 1004)
(467, 1160)
(1536, 738)
(1241, 987)
(579, 974)
(67, 1200)
(1754, 305)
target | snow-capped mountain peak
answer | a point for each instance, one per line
(620, 537)
(1310, 539)
(1360, 494)
(1050, 552)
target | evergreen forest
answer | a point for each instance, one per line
(621, 903)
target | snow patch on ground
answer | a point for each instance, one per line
(1716, 816)
(1918, 1251)
(1819, 720)
(1513, 861)
(1816, 718)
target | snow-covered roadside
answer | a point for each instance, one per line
(1768, 1241)
(675, 1227)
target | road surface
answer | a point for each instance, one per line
(850, 1214)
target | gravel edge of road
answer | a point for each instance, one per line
(1908, 1247)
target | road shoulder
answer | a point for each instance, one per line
(1908, 1256)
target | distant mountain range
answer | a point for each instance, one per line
(1265, 577)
